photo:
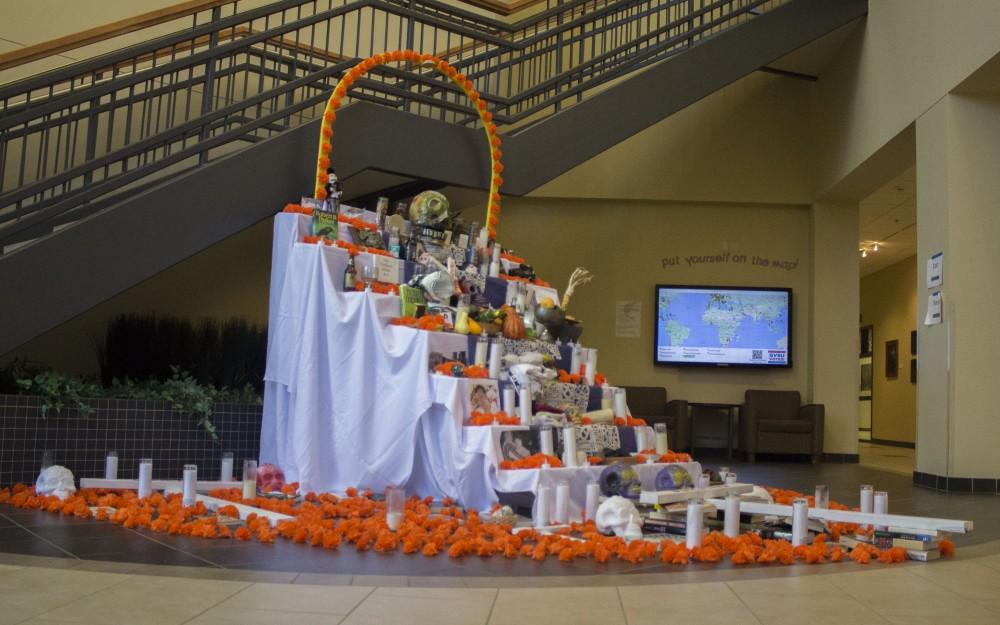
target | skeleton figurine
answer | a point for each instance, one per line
(334, 191)
(619, 516)
(55, 480)
(529, 376)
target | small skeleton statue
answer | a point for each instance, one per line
(334, 191)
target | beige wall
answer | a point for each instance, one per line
(624, 244)
(908, 55)
(889, 304)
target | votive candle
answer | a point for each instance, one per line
(226, 468)
(189, 494)
(249, 479)
(145, 477)
(111, 466)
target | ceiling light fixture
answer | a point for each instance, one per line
(864, 253)
(875, 247)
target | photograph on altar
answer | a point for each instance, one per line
(484, 396)
(518, 444)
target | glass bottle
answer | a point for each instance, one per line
(462, 319)
(381, 211)
(350, 275)
(394, 242)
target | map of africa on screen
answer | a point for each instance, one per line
(721, 326)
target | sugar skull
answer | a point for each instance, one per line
(55, 480)
(270, 478)
(619, 516)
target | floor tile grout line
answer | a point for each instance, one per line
(125, 577)
(45, 540)
(221, 601)
(171, 547)
(743, 603)
(621, 603)
(358, 605)
(489, 615)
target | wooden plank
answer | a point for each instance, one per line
(107, 31)
(202, 486)
(660, 497)
(849, 516)
(214, 503)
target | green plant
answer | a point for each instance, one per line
(185, 394)
(60, 391)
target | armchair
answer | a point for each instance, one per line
(776, 422)
(650, 403)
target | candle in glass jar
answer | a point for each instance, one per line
(189, 494)
(606, 393)
(395, 503)
(545, 440)
(524, 406)
(226, 468)
(569, 446)
(542, 506)
(111, 466)
(510, 400)
(641, 444)
(800, 521)
(574, 359)
(496, 353)
(694, 525)
(621, 408)
(249, 479)
(562, 504)
(145, 477)
(732, 522)
(661, 438)
(867, 497)
(593, 500)
(482, 346)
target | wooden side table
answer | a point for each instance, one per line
(701, 411)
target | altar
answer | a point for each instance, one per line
(351, 401)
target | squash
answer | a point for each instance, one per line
(474, 328)
(513, 325)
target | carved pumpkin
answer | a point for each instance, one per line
(513, 325)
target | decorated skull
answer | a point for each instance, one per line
(429, 208)
(620, 480)
(619, 516)
(270, 478)
(55, 480)
(673, 477)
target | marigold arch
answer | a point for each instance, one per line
(442, 66)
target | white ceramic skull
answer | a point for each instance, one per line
(619, 516)
(55, 480)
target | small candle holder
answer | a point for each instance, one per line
(249, 479)
(226, 467)
(395, 507)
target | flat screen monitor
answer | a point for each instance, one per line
(725, 326)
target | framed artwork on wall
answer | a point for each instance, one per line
(892, 359)
(913, 370)
(913, 342)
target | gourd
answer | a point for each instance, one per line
(513, 325)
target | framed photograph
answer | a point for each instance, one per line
(913, 370)
(368, 238)
(913, 342)
(892, 359)
(483, 396)
(518, 444)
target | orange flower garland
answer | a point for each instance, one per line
(329, 522)
(489, 418)
(533, 461)
(443, 67)
(464, 371)
(670, 456)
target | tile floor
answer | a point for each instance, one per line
(961, 591)
(887, 458)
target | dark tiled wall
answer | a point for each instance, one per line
(135, 429)
(947, 484)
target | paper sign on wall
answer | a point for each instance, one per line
(935, 270)
(628, 318)
(933, 316)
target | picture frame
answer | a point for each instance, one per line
(913, 370)
(368, 238)
(913, 342)
(892, 359)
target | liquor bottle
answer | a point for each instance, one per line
(394, 242)
(350, 275)
(381, 210)
(411, 249)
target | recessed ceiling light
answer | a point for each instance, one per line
(864, 253)
(875, 247)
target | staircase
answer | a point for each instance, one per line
(120, 166)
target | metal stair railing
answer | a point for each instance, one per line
(79, 138)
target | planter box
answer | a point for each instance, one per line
(135, 429)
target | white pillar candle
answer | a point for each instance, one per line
(593, 500)
(800, 521)
(731, 478)
(524, 406)
(510, 400)
(881, 505)
(732, 523)
(145, 477)
(574, 359)
(661, 438)
(590, 369)
(867, 497)
(569, 446)
(694, 525)
(226, 468)
(496, 353)
(111, 466)
(606, 393)
(621, 410)
(723, 474)
(641, 444)
(545, 440)
(562, 504)
(542, 503)
(704, 480)
(482, 347)
(821, 499)
(249, 479)
(189, 494)
(495, 262)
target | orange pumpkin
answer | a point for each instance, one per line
(513, 325)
